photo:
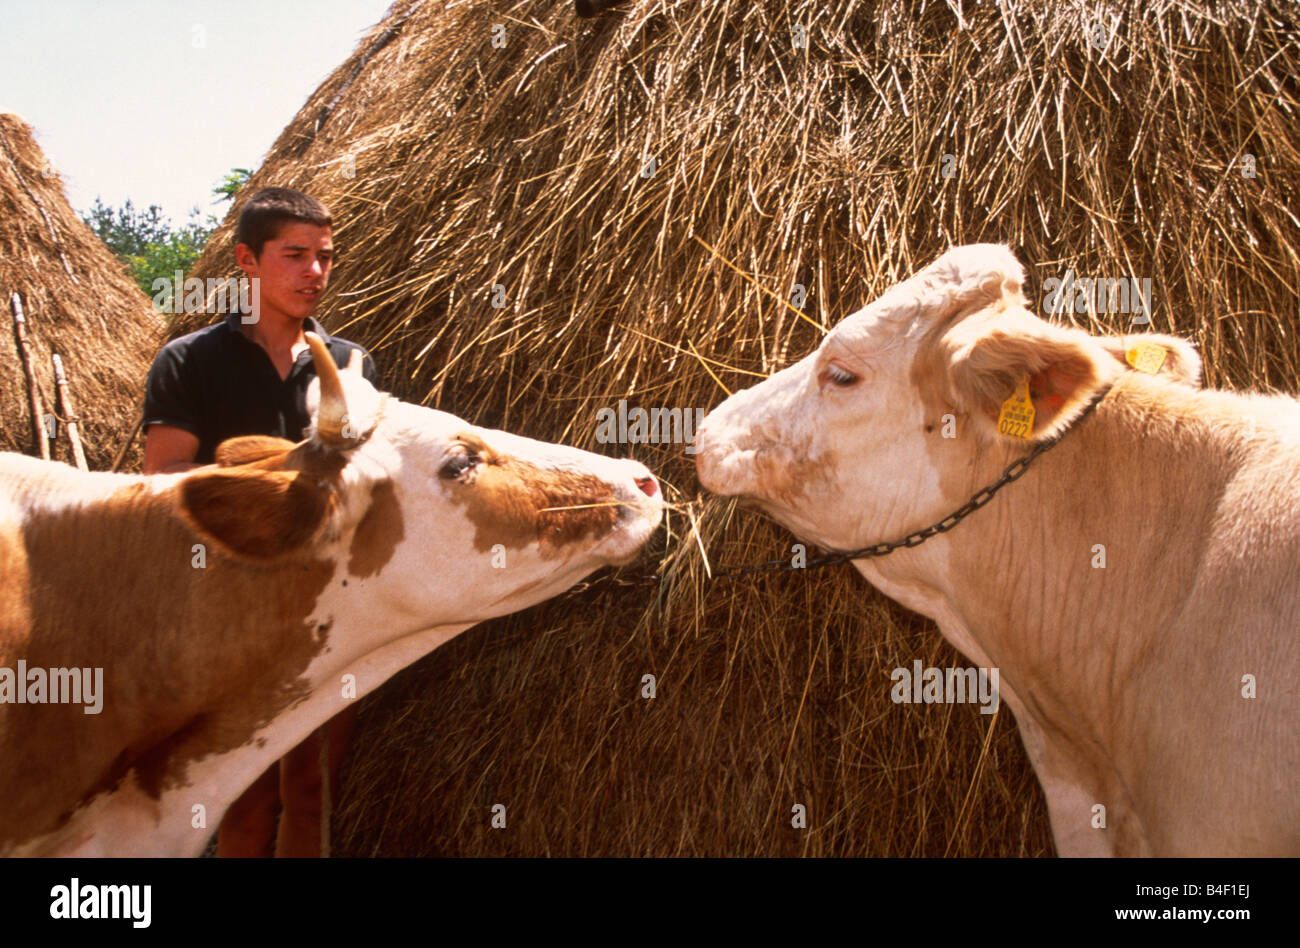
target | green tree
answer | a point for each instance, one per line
(161, 259)
(229, 186)
(147, 241)
(126, 231)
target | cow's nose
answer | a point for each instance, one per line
(647, 485)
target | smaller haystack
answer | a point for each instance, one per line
(80, 302)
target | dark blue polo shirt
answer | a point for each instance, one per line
(217, 384)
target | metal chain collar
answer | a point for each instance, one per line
(981, 497)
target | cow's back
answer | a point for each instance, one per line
(1235, 736)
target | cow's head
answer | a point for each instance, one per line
(446, 522)
(889, 424)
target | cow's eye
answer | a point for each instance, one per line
(459, 460)
(839, 376)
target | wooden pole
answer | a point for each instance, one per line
(33, 393)
(69, 411)
(126, 445)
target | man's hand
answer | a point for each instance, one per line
(169, 450)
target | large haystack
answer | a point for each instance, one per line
(80, 302)
(1161, 145)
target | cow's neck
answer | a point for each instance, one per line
(1021, 585)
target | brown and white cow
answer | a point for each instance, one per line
(235, 607)
(1125, 587)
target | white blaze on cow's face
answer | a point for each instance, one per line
(866, 439)
(491, 522)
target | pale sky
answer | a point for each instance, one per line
(155, 100)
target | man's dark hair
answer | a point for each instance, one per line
(268, 209)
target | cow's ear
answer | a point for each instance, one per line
(1056, 370)
(251, 449)
(1165, 356)
(257, 514)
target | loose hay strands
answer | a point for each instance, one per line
(820, 165)
(750, 280)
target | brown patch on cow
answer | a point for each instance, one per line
(930, 373)
(294, 494)
(378, 534)
(787, 474)
(507, 501)
(194, 661)
(929, 377)
(261, 515)
(149, 757)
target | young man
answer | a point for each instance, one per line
(249, 375)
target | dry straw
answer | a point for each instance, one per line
(453, 165)
(79, 301)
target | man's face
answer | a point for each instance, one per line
(293, 270)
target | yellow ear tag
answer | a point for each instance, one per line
(1146, 357)
(1017, 417)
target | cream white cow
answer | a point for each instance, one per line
(1138, 588)
(229, 610)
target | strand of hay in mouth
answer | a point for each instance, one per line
(825, 171)
(79, 302)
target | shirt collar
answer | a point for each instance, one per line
(309, 325)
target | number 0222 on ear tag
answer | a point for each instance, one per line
(1016, 419)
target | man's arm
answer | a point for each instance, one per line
(171, 414)
(169, 450)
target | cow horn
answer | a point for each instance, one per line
(332, 413)
(354, 362)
